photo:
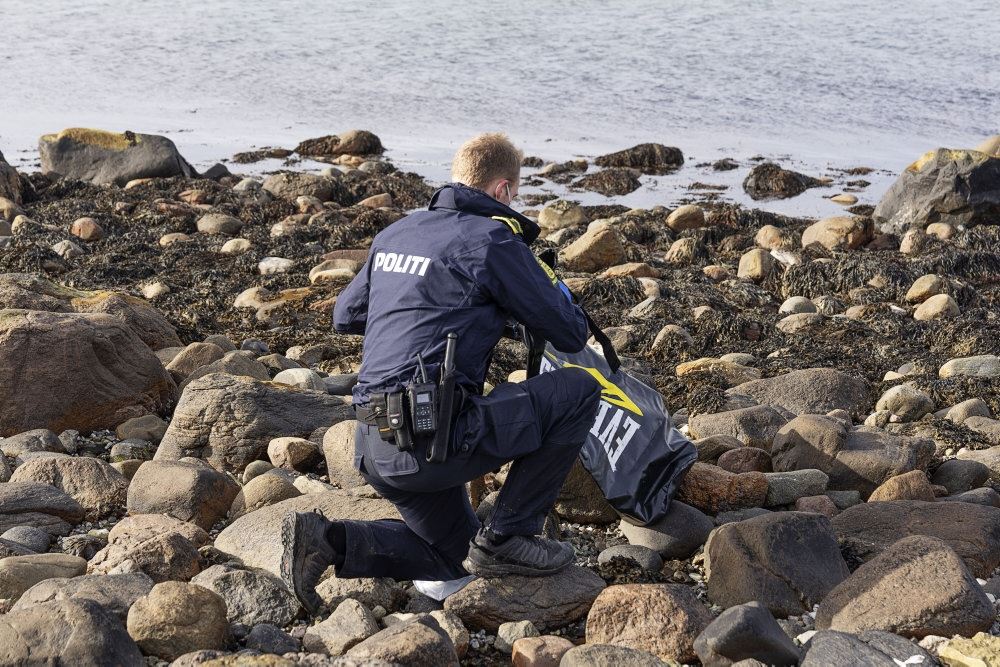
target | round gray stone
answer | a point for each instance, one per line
(644, 556)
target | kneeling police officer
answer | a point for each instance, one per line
(433, 299)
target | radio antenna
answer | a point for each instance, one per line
(423, 369)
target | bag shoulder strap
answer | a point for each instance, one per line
(614, 363)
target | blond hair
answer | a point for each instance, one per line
(485, 159)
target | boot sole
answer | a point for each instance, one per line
(482, 564)
(291, 560)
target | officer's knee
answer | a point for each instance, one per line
(581, 388)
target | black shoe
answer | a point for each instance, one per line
(527, 555)
(307, 554)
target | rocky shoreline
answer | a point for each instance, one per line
(170, 387)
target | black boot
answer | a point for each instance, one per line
(307, 554)
(528, 555)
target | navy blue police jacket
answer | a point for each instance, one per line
(461, 266)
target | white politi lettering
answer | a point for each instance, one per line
(414, 265)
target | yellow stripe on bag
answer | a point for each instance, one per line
(610, 392)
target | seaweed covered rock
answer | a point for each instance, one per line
(647, 158)
(611, 181)
(769, 181)
(103, 157)
(952, 186)
(229, 420)
(352, 142)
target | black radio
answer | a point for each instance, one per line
(423, 407)
(423, 403)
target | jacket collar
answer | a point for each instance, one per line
(460, 197)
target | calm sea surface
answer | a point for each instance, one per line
(817, 85)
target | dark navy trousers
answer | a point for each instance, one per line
(539, 424)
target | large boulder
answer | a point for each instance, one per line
(251, 596)
(971, 530)
(186, 491)
(597, 249)
(712, 489)
(421, 642)
(229, 420)
(38, 505)
(103, 375)
(548, 602)
(677, 535)
(663, 619)
(66, 632)
(103, 157)
(647, 158)
(382, 592)
(581, 500)
(19, 573)
(116, 593)
(858, 459)
(99, 488)
(605, 655)
(869, 649)
(350, 623)
(28, 291)
(952, 186)
(840, 232)
(809, 391)
(787, 561)
(338, 449)
(742, 632)
(162, 547)
(175, 618)
(916, 587)
(754, 426)
(255, 538)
